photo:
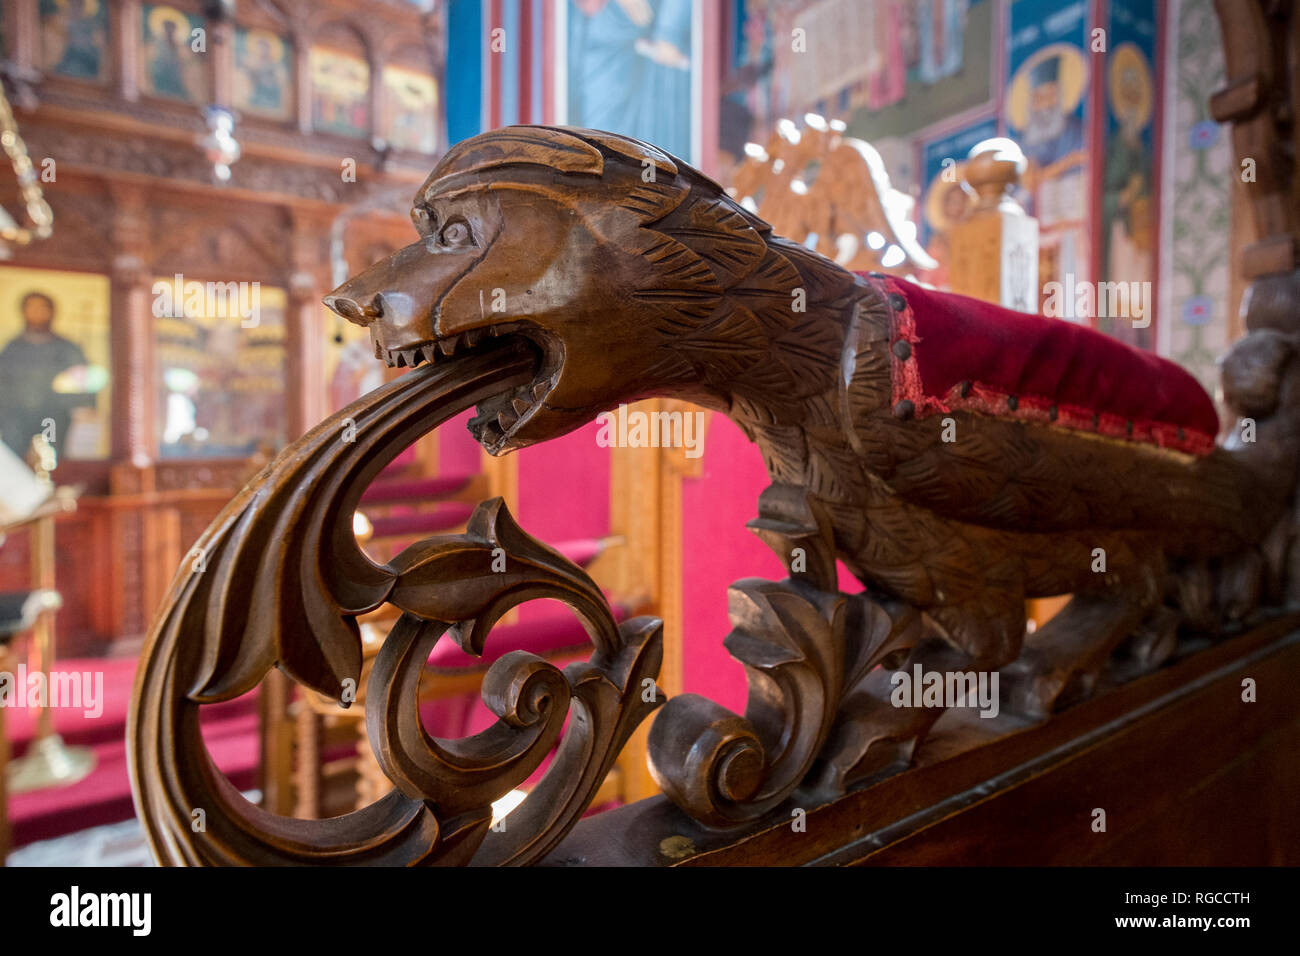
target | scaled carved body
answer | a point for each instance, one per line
(634, 275)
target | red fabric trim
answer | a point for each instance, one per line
(1016, 365)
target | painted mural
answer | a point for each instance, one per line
(54, 357)
(340, 89)
(1128, 208)
(263, 74)
(173, 67)
(74, 38)
(889, 68)
(411, 109)
(629, 69)
(1045, 109)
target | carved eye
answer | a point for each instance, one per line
(457, 233)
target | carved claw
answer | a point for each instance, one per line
(1061, 662)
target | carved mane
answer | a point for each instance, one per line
(735, 306)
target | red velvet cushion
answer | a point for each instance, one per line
(971, 354)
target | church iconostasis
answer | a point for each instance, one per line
(180, 58)
(351, 368)
(410, 106)
(631, 67)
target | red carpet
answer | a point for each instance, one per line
(229, 729)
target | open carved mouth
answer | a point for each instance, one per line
(500, 416)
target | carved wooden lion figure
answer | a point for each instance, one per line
(961, 457)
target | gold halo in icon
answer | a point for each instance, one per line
(942, 195)
(1129, 86)
(89, 7)
(1072, 78)
(159, 16)
(273, 43)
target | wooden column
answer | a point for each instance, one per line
(278, 723)
(22, 25)
(6, 664)
(1262, 47)
(221, 47)
(307, 333)
(302, 83)
(376, 92)
(127, 26)
(134, 440)
(646, 510)
(134, 377)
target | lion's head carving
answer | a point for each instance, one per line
(632, 273)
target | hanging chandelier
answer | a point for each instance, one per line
(29, 186)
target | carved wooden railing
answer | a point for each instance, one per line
(280, 580)
(566, 230)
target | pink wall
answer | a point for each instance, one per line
(717, 550)
(564, 494)
(564, 487)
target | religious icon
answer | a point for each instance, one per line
(630, 69)
(73, 36)
(1044, 103)
(172, 68)
(263, 65)
(1126, 201)
(223, 392)
(51, 386)
(340, 87)
(411, 108)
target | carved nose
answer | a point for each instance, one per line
(352, 310)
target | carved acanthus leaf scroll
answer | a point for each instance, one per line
(280, 580)
(805, 647)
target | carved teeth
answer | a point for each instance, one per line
(521, 405)
(540, 389)
(412, 357)
(507, 419)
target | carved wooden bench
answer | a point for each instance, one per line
(958, 459)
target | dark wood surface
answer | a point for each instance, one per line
(1187, 772)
